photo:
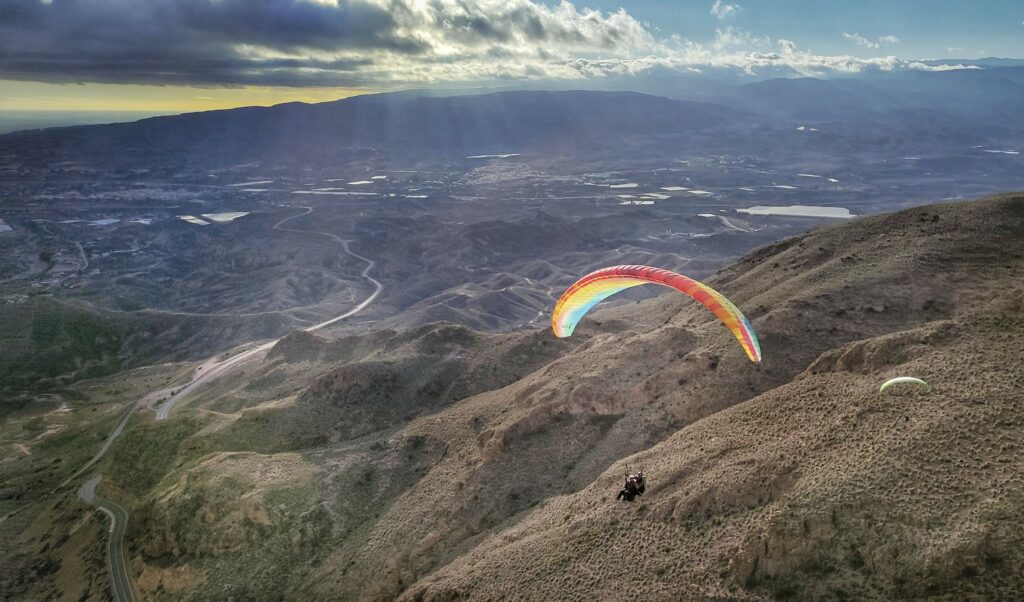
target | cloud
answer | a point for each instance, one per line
(302, 42)
(724, 11)
(788, 60)
(730, 37)
(368, 43)
(921, 66)
(862, 41)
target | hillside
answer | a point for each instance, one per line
(47, 343)
(807, 438)
(820, 488)
(440, 463)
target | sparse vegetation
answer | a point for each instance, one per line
(145, 453)
(437, 461)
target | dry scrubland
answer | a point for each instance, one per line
(440, 463)
(820, 488)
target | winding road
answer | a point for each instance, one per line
(106, 445)
(119, 582)
(212, 368)
(206, 372)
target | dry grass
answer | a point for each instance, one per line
(818, 489)
(793, 478)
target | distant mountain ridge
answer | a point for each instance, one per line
(397, 124)
(954, 105)
(970, 96)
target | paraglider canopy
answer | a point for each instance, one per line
(903, 379)
(597, 286)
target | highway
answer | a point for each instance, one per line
(120, 584)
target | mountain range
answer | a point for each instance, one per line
(959, 104)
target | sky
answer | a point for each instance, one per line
(163, 56)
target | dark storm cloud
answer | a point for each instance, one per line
(297, 24)
(294, 42)
(191, 41)
(364, 43)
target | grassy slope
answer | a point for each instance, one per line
(820, 488)
(45, 343)
(508, 489)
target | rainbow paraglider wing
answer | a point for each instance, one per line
(598, 286)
